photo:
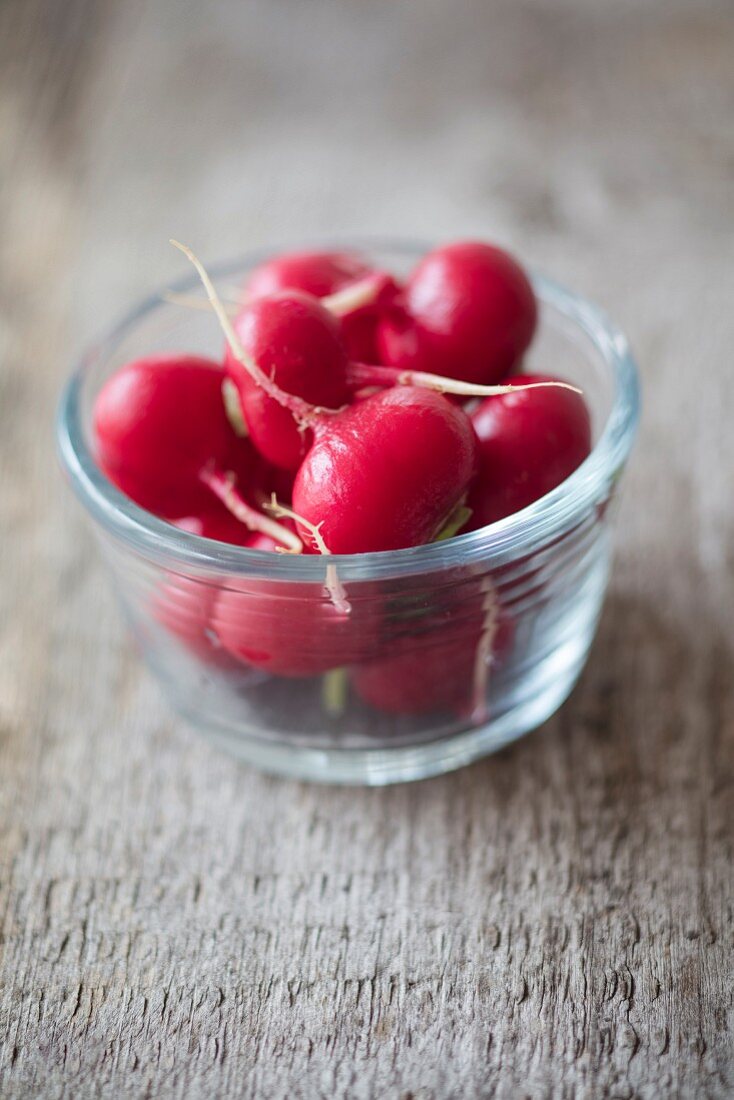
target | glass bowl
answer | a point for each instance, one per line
(451, 650)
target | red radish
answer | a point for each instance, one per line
(386, 473)
(326, 274)
(184, 606)
(363, 377)
(431, 672)
(468, 311)
(441, 668)
(316, 272)
(292, 629)
(157, 422)
(530, 441)
(163, 438)
(296, 343)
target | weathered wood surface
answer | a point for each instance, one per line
(556, 921)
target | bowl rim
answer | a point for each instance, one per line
(545, 519)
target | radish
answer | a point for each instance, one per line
(290, 629)
(184, 606)
(163, 438)
(296, 342)
(445, 663)
(387, 473)
(468, 311)
(319, 273)
(431, 672)
(357, 293)
(530, 440)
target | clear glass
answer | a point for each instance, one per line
(395, 691)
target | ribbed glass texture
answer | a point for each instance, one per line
(450, 650)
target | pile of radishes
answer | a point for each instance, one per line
(349, 413)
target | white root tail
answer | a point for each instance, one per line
(233, 409)
(355, 296)
(334, 586)
(223, 485)
(189, 301)
(367, 374)
(341, 303)
(469, 389)
(299, 408)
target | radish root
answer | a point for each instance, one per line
(367, 374)
(223, 485)
(334, 585)
(355, 296)
(189, 301)
(338, 304)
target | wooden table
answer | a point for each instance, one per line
(555, 921)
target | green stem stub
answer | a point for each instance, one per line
(233, 408)
(458, 518)
(334, 689)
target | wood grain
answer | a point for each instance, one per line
(552, 922)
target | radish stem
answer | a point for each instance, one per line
(454, 522)
(233, 408)
(334, 687)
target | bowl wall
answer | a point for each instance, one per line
(396, 690)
